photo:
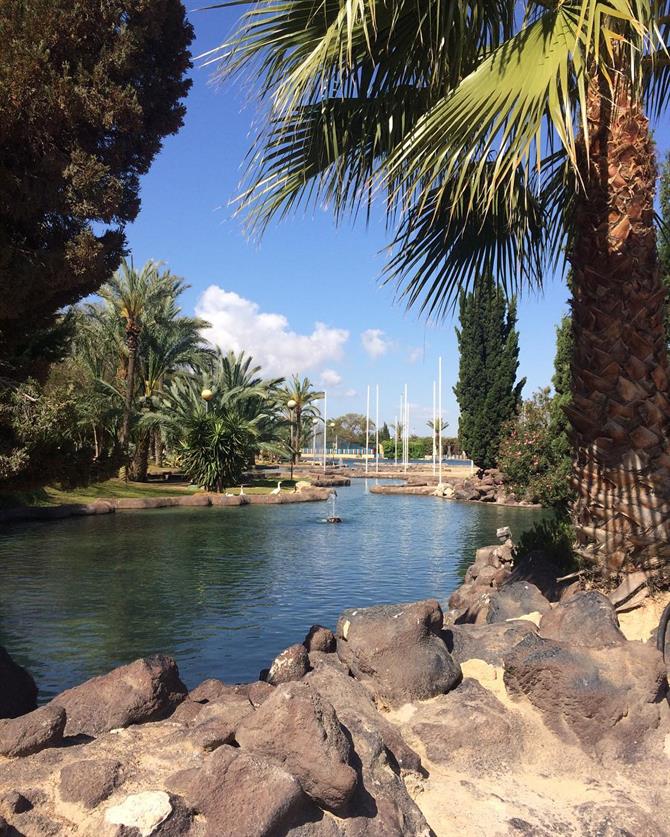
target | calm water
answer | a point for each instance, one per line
(223, 590)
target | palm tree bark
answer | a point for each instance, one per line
(139, 466)
(620, 412)
(132, 341)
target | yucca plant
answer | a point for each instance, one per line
(502, 135)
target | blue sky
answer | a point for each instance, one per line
(271, 296)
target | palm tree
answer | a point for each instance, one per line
(133, 294)
(501, 137)
(437, 428)
(299, 399)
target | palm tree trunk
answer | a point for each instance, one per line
(620, 412)
(139, 466)
(132, 341)
(158, 448)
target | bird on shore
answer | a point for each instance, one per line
(277, 489)
(242, 494)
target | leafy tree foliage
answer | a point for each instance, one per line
(350, 429)
(88, 91)
(535, 451)
(487, 392)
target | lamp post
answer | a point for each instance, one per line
(332, 427)
(207, 396)
(292, 404)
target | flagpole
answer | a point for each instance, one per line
(434, 428)
(367, 430)
(439, 444)
(377, 428)
(325, 427)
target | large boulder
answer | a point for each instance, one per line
(297, 728)
(586, 618)
(320, 639)
(146, 690)
(399, 648)
(597, 697)
(486, 642)
(468, 729)
(515, 599)
(18, 692)
(33, 732)
(355, 709)
(242, 795)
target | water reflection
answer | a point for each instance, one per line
(223, 590)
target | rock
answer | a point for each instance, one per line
(514, 599)
(242, 795)
(469, 730)
(590, 695)
(320, 639)
(146, 690)
(399, 648)
(486, 642)
(33, 732)
(291, 664)
(18, 692)
(14, 802)
(619, 819)
(148, 813)
(211, 690)
(207, 690)
(504, 533)
(299, 729)
(586, 618)
(89, 781)
(355, 709)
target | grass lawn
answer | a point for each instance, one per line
(51, 496)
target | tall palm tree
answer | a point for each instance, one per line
(299, 399)
(132, 294)
(501, 136)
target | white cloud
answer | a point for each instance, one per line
(331, 378)
(375, 342)
(415, 354)
(350, 393)
(238, 324)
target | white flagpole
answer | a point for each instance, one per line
(434, 417)
(325, 427)
(367, 430)
(377, 428)
(406, 430)
(397, 439)
(439, 435)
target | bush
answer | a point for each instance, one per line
(534, 453)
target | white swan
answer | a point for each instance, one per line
(277, 489)
(242, 494)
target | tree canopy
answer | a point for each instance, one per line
(88, 91)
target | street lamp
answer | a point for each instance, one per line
(207, 396)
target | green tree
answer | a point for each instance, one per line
(501, 134)
(350, 429)
(88, 91)
(299, 398)
(487, 391)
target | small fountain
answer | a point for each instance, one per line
(333, 517)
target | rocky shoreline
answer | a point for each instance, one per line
(525, 710)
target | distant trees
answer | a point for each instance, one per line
(487, 391)
(88, 91)
(298, 400)
(350, 429)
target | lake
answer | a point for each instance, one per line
(223, 590)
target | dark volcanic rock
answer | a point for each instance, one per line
(399, 648)
(586, 618)
(299, 729)
(33, 732)
(89, 781)
(211, 690)
(146, 690)
(514, 599)
(291, 664)
(468, 728)
(591, 694)
(355, 709)
(242, 795)
(18, 692)
(486, 642)
(320, 639)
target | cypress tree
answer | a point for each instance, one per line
(487, 392)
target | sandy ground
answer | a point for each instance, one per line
(548, 787)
